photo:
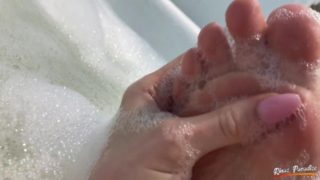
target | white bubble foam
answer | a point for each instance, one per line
(43, 129)
(130, 124)
(62, 75)
(284, 14)
(138, 121)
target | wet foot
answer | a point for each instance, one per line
(278, 55)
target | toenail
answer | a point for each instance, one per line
(278, 108)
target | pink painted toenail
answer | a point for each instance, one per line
(277, 108)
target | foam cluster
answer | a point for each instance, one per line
(63, 68)
(43, 129)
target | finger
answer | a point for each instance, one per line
(220, 90)
(142, 93)
(232, 124)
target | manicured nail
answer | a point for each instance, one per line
(277, 108)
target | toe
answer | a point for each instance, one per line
(190, 72)
(245, 19)
(191, 64)
(214, 47)
(213, 43)
(294, 32)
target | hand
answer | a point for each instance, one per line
(148, 143)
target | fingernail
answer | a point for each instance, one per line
(277, 108)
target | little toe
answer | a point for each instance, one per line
(213, 43)
(190, 73)
(214, 47)
(191, 64)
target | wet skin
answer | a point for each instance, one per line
(211, 74)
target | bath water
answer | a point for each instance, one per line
(64, 66)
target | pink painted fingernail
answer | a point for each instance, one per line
(277, 108)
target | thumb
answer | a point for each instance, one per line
(234, 123)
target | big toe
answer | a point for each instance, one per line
(245, 19)
(294, 32)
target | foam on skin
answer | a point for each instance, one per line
(268, 68)
(60, 84)
(129, 125)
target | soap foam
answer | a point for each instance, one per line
(61, 81)
(138, 121)
(44, 128)
(130, 124)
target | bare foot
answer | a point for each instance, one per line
(278, 55)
